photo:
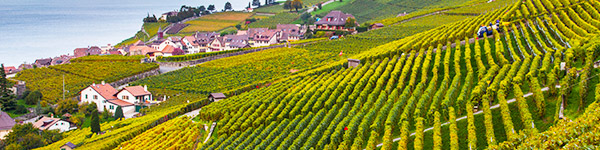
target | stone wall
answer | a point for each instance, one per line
(210, 58)
(135, 77)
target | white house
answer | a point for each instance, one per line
(135, 94)
(190, 43)
(105, 96)
(51, 123)
(99, 94)
(265, 38)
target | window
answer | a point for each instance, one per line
(86, 96)
(62, 123)
(95, 96)
(125, 97)
(111, 107)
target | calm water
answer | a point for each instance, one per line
(31, 29)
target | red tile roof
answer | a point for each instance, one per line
(191, 40)
(168, 49)
(136, 90)
(10, 69)
(105, 90)
(121, 103)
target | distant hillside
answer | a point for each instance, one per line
(366, 10)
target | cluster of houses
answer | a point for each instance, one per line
(202, 42)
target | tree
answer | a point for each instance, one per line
(202, 8)
(6, 98)
(78, 119)
(26, 136)
(227, 6)
(350, 23)
(238, 26)
(320, 6)
(119, 113)
(296, 4)
(178, 51)
(287, 5)
(95, 123)
(211, 7)
(33, 97)
(66, 106)
(256, 3)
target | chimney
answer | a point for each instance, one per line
(102, 82)
(94, 84)
(146, 88)
(51, 115)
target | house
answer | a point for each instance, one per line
(235, 41)
(105, 49)
(353, 62)
(218, 44)
(335, 20)
(140, 50)
(99, 94)
(6, 124)
(289, 32)
(168, 50)
(63, 59)
(51, 123)
(376, 26)
(68, 146)
(44, 62)
(215, 97)
(109, 98)
(265, 38)
(25, 66)
(80, 52)
(204, 40)
(94, 50)
(190, 45)
(10, 70)
(167, 14)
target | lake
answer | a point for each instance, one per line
(33, 29)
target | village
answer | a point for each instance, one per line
(166, 45)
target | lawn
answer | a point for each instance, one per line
(329, 7)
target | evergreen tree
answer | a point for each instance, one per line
(6, 98)
(95, 124)
(119, 113)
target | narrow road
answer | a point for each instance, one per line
(212, 128)
(311, 9)
(192, 113)
(478, 112)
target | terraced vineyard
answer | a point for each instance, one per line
(496, 89)
(230, 73)
(78, 75)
